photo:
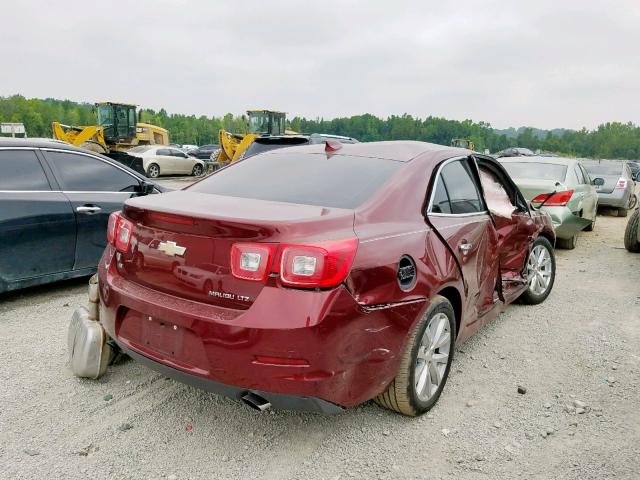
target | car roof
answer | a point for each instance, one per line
(37, 143)
(539, 159)
(398, 150)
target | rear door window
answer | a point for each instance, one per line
(21, 170)
(339, 181)
(82, 173)
(440, 202)
(459, 182)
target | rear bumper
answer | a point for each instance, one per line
(279, 401)
(565, 223)
(352, 353)
(617, 198)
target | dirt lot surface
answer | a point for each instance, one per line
(581, 348)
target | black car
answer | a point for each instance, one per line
(263, 144)
(203, 152)
(514, 152)
(635, 169)
(55, 201)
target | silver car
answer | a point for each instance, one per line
(618, 188)
(165, 160)
(562, 188)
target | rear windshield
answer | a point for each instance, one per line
(604, 168)
(536, 170)
(310, 179)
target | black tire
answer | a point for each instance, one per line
(401, 395)
(591, 227)
(153, 170)
(197, 170)
(633, 201)
(631, 242)
(622, 212)
(567, 243)
(95, 147)
(530, 298)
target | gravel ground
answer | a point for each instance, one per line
(578, 349)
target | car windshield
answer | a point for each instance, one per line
(603, 168)
(536, 170)
(338, 181)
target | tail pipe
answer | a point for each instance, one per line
(255, 401)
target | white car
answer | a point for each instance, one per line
(164, 160)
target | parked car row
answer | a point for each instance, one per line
(571, 190)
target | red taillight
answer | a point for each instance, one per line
(622, 183)
(252, 261)
(321, 265)
(119, 231)
(558, 199)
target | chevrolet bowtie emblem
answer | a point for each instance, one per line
(171, 248)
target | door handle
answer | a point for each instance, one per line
(465, 247)
(88, 209)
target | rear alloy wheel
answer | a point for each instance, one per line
(425, 364)
(153, 171)
(541, 272)
(632, 232)
(197, 170)
(633, 201)
(567, 243)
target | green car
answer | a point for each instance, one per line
(562, 188)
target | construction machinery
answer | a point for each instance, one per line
(463, 143)
(118, 130)
(261, 123)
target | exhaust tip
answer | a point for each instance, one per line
(256, 401)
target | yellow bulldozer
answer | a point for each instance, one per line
(261, 123)
(463, 143)
(118, 130)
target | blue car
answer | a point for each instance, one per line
(55, 201)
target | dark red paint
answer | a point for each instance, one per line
(344, 343)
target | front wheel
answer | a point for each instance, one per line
(425, 364)
(541, 272)
(632, 233)
(567, 243)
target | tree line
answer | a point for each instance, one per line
(609, 140)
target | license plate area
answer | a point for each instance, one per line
(163, 341)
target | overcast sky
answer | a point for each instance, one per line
(543, 63)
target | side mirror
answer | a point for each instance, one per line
(598, 181)
(145, 188)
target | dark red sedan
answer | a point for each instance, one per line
(323, 276)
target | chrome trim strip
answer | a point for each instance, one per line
(396, 235)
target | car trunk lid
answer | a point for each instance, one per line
(531, 188)
(610, 182)
(182, 241)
